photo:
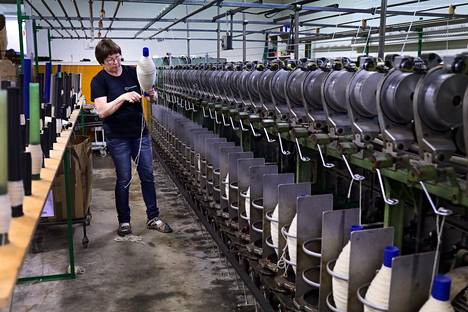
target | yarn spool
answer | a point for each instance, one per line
(146, 71)
(292, 243)
(34, 146)
(440, 296)
(5, 210)
(339, 286)
(274, 228)
(247, 204)
(378, 292)
(15, 149)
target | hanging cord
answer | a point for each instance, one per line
(282, 264)
(409, 28)
(440, 213)
(336, 29)
(367, 39)
(137, 158)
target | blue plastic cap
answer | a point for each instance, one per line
(441, 287)
(390, 252)
(145, 52)
(356, 227)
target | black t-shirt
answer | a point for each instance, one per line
(125, 122)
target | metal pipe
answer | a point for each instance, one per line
(218, 43)
(232, 12)
(80, 18)
(296, 32)
(195, 21)
(383, 16)
(40, 17)
(284, 18)
(36, 57)
(188, 37)
(170, 38)
(91, 20)
(19, 15)
(163, 13)
(113, 18)
(183, 19)
(68, 18)
(55, 17)
(50, 48)
(239, 31)
(244, 38)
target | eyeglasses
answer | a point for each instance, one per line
(113, 60)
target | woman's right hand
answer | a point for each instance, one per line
(131, 97)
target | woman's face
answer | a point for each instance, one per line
(112, 63)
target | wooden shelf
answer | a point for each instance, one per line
(22, 229)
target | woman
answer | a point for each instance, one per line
(116, 95)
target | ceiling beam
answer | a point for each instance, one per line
(163, 13)
(183, 19)
(113, 18)
(68, 18)
(42, 18)
(79, 17)
(55, 17)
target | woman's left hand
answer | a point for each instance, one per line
(153, 94)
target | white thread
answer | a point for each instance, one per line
(58, 122)
(247, 205)
(36, 157)
(137, 158)
(5, 213)
(16, 193)
(274, 228)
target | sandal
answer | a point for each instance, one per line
(158, 225)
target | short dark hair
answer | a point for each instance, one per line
(104, 48)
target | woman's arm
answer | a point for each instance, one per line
(105, 109)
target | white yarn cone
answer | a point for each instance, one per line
(340, 287)
(378, 292)
(16, 192)
(5, 216)
(292, 243)
(146, 71)
(226, 188)
(440, 296)
(36, 157)
(274, 229)
(247, 205)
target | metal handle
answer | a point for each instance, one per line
(216, 118)
(268, 137)
(310, 252)
(253, 130)
(205, 115)
(242, 126)
(211, 114)
(441, 211)
(270, 244)
(304, 159)
(356, 177)
(325, 164)
(281, 146)
(307, 280)
(193, 108)
(232, 124)
(270, 218)
(333, 273)
(388, 201)
(256, 229)
(224, 121)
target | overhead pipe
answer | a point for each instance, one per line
(53, 14)
(79, 18)
(383, 19)
(42, 18)
(113, 18)
(232, 12)
(283, 18)
(91, 19)
(68, 18)
(171, 38)
(183, 19)
(163, 13)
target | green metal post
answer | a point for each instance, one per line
(395, 215)
(71, 254)
(50, 49)
(19, 15)
(68, 191)
(420, 40)
(36, 57)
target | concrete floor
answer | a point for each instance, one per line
(163, 272)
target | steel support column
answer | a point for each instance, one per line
(383, 16)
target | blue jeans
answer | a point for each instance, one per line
(123, 150)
